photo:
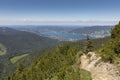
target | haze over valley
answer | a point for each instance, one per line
(67, 33)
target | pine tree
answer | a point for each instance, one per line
(89, 45)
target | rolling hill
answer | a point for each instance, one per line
(14, 44)
(18, 42)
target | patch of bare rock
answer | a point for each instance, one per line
(99, 70)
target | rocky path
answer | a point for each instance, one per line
(99, 70)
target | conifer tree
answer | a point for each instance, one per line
(89, 45)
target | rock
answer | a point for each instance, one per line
(102, 71)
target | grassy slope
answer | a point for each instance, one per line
(110, 52)
(3, 50)
(16, 58)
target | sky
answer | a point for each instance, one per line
(83, 12)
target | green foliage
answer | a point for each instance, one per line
(74, 74)
(85, 75)
(115, 33)
(34, 55)
(89, 45)
(117, 46)
(55, 65)
(111, 51)
(16, 58)
(18, 43)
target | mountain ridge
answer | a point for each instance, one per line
(17, 41)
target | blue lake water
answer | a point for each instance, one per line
(64, 35)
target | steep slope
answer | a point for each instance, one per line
(18, 42)
(106, 64)
(99, 70)
(111, 50)
(59, 64)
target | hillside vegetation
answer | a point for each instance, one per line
(59, 64)
(16, 58)
(64, 62)
(18, 42)
(111, 50)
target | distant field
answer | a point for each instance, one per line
(3, 50)
(16, 58)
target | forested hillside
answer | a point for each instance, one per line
(25, 47)
(15, 45)
(18, 42)
(111, 50)
(60, 64)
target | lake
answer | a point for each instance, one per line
(64, 35)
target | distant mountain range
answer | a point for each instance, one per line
(18, 42)
(94, 31)
(68, 33)
(44, 28)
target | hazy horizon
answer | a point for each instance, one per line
(59, 12)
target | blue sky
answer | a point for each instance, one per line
(59, 11)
